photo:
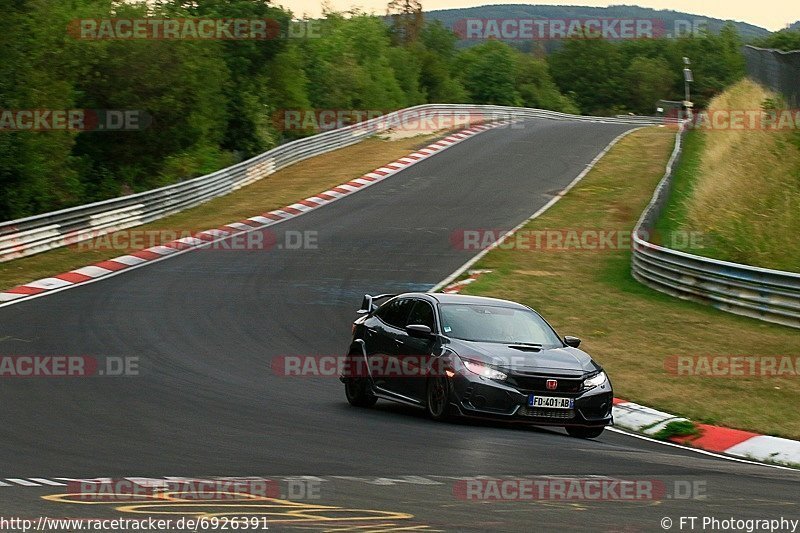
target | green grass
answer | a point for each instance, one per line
(677, 428)
(633, 330)
(738, 189)
(672, 222)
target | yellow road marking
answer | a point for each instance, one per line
(277, 510)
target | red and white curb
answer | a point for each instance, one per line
(455, 287)
(648, 421)
(140, 258)
(735, 442)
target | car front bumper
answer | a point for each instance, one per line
(475, 396)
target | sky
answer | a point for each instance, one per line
(771, 14)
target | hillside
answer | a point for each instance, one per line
(450, 16)
(738, 188)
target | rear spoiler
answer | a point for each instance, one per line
(368, 303)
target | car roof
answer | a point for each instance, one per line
(444, 298)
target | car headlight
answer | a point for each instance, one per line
(485, 371)
(594, 381)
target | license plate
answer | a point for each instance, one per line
(550, 402)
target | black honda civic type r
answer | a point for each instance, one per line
(477, 357)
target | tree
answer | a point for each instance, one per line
(40, 66)
(247, 64)
(537, 88)
(437, 58)
(406, 63)
(180, 84)
(590, 71)
(407, 20)
(648, 80)
(288, 87)
(786, 40)
(488, 72)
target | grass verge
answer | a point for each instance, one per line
(284, 187)
(677, 428)
(672, 221)
(634, 331)
(738, 189)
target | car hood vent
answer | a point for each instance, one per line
(525, 347)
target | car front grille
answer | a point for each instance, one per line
(539, 384)
(546, 413)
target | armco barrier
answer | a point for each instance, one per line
(770, 295)
(776, 69)
(27, 236)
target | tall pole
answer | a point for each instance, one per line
(687, 79)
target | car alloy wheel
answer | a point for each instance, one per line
(438, 396)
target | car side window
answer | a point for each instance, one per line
(395, 312)
(422, 313)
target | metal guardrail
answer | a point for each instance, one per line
(39, 233)
(762, 293)
(778, 70)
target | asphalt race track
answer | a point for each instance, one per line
(206, 325)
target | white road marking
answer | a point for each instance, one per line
(44, 481)
(23, 482)
(698, 450)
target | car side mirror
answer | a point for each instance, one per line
(418, 330)
(574, 342)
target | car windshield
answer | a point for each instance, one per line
(492, 323)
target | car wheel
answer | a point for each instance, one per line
(584, 432)
(438, 398)
(358, 393)
(358, 389)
